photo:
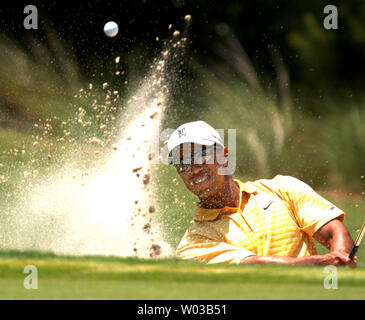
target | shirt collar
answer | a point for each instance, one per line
(203, 214)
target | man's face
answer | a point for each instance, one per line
(202, 178)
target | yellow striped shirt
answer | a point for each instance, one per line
(275, 217)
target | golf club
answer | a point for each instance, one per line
(357, 242)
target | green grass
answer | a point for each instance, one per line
(63, 277)
(173, 290)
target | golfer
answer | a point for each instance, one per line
(264, 221)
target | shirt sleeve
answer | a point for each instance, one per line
(204, 244)
(310, 210)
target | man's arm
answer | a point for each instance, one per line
(333, 235)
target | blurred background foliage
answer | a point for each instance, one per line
(291, 88)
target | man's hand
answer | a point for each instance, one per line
(337, 258)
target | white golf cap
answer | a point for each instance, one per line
(198, 132)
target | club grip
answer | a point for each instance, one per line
(353, 252)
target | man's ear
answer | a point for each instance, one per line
(222, 157)
(225, 163)
(225, 150)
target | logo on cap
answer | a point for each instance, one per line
(181, 132)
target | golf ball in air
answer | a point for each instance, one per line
(111, 29)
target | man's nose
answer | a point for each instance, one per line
(196, 168)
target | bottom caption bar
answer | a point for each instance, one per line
(182, 309)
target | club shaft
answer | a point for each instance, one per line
(357, 242)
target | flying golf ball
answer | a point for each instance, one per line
(111, 29)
